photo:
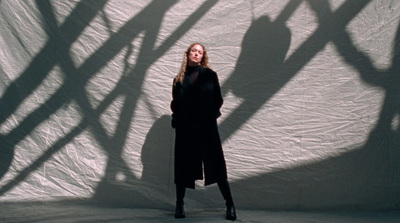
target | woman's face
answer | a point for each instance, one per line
(195, 55)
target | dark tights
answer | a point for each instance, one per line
(225, 191)
(222, 185)
(180, 193)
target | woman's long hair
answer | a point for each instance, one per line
(204, 62)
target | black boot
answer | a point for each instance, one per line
(180, 194)
(230, 212)
(179, 210)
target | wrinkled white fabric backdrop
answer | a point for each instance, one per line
(310, 120)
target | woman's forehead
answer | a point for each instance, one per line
(197, 47)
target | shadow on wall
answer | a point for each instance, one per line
(32, 77)
(59, 43)
(354, 180)
(153, 189)
(258, 79)
(130, 193)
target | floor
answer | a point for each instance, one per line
(79, 212)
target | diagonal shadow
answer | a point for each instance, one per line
(257, 82)
(36, 72)
(77, 77)
(389, 80)
(109, 187)
(309, 185)
(332, 183)
(44, 61)
(300, 184)
(338, 182)
(32, 77)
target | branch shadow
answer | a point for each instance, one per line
(76, 78)
(324, 184)
(350, 181)
(32, 77)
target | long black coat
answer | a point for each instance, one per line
(195, 109)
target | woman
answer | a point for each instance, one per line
(196, 101)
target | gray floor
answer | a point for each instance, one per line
(77, 212)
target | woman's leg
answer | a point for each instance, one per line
(226, 193)
(180, 195)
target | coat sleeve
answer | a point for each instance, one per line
(218, 100)
(174, 104)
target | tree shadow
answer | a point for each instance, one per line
(32, 77)
(353, 180)
(76, 78)
(131, 196)
(336, 182)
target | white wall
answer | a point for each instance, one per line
(311, 118)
